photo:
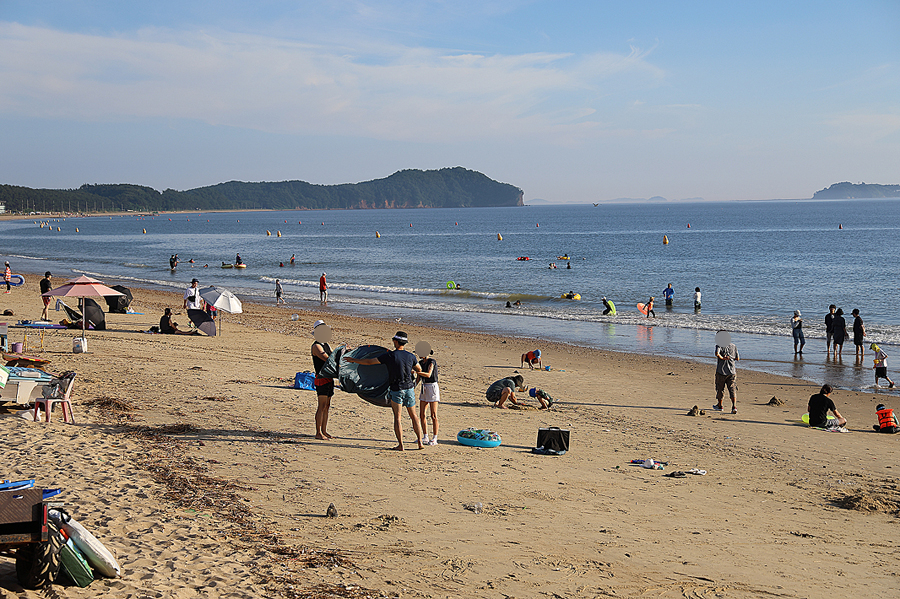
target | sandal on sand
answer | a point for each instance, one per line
(734, 410)
(676, 474)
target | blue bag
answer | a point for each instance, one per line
(304, 380)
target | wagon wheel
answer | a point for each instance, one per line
(37, 564)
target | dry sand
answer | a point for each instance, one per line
(211, 484)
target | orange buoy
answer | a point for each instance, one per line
(377, 235)
(537, 224)
(456, 223)
(665, 240)
(689, 225)
(145, 231)
(410, 224)
(268, 233)
(76, 229)
(499, 237)
(840, 226)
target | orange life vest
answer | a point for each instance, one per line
(886, 418)
(530, 356)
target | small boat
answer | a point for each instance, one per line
(226, 265)
(241, 265)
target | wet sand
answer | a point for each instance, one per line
(194, 462)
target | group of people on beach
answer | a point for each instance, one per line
(406, 370)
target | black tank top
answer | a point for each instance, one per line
(424, 365)
(317, 361)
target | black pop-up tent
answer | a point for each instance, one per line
(370, 382)
(119, 303)
(94, 313)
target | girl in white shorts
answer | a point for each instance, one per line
(430, 395)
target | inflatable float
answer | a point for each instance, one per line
(241, 265)
(523, 258)
(642, 308)
(16, 280)
(571, 296)
(98, 556)
(224, 265)
(478, 438)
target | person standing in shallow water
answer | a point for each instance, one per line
(829, 328)
(797, 331)
(323, 289)
(839, 332)
(859, 333)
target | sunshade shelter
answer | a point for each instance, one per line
(82, 287)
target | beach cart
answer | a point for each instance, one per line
(27, 536)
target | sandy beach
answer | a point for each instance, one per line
(194, 461)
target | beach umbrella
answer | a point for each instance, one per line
(221, 299)
(82, 287)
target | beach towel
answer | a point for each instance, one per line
(370, 382)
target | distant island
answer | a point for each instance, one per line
(444, 188)
(849, 191)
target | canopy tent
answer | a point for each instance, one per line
(370, 382)
(84, 287)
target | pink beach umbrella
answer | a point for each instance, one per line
(82, 287)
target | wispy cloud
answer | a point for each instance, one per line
(386, 92)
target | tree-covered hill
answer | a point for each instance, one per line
(444, 188)
(847, 191)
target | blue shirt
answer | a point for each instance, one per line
(400, 365)
(668, 292)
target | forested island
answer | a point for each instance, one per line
(849, 191)
(444, 188)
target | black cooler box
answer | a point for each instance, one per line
(554, 438)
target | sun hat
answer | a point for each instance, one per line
(317, 323)
(796, 312)
(400, 337)
(537, 353)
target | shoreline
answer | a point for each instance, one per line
(586, 523)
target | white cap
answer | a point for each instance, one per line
(796, 312)
(323, 274)
(317, 323)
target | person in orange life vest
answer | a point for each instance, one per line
(887, 422)
(532, 358)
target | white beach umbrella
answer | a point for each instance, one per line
(222, 299)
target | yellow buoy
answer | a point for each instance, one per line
(377, 235)
(279, 234)
(499, 237)
(268, 233)
(145, 231)
(58, 229)
(76, 229)
(665, 240)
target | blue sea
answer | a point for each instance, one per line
(755, 262)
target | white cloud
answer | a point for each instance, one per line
(386, 92)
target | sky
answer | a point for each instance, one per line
(572, 101)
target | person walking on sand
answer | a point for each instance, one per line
(839, 332)
(859, 333)
(668, 295)
(7, 276)
(402, 369)
(324, 386)
(323, 289)
(279, 292)
(430, 396)
(818, 407)
(45, 287)
(880, 365)
(649, 308)
(726, 373)
(797, 331)
(829, 328)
